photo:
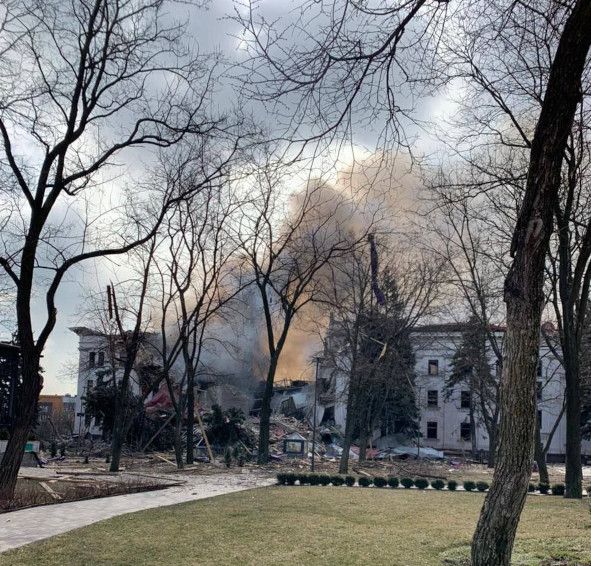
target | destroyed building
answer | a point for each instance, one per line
(444, 422)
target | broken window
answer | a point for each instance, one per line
(465, 400)
(433, 398)
(433, 367)
(465, 431)
(91, 359)
(432, 430)
(101, 359)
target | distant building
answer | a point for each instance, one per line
(444, 421)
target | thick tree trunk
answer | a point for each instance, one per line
(540, 456)
(265, 417)
(363, 439)
(574, 469)
(495, 534)
(19, 433)
(350, 420)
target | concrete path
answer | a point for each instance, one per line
(29, 525)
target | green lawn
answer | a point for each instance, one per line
(316, 525)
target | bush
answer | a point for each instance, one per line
(364, 482)
(543, 487)
(393, 482)
(482, 486)
(290, 479)
(314, 479)
(349, 481)
(469, 485)
(407, 482)
(303, 479)
(337, 480)
(452, 485)
(558, 489)
(437, 484)
(324, 479)
(281, 479)
(422, 483)
(531, 488)
(380, 481)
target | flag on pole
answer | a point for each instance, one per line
(373, 254)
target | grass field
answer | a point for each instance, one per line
(317, 525)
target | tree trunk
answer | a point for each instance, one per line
(363, 438)
(574, 471)
(178, 441)
(19, 433)
(492, 447)
(350, 421)
(265, 417)
(118, 436)
(190, 417)
(495, 533)
(540, 456)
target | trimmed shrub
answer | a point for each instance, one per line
(393, 482)
(482, 486)
(531, 488)
(422, 483)
(290, 479)
(281, 479)
(558, 489)
(324, 479)
(452, 485)
(349, 481)
(337, 480)
(543, 488)
(407, 483)
(380, 481)
(469, 485)
(364, 482)
(314, 479)
(303, 478)
(437, 484)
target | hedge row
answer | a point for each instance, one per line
(393, 482)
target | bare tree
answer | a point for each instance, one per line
(82, 81)
(495, 533)
(286, 245)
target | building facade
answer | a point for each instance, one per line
(444, 414)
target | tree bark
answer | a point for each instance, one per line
(570, 355)
(19, 433)
(190, 416)
(265, 418)
(540, 456)
(495, 533)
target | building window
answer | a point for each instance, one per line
(539, 387)
(91, 359)
(432, 430)
(433, 367)
(101, 359)
(465, 431)
(465, 399)
(433, 398)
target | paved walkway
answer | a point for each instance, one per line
(29, 525)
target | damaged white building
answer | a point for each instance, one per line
(444, 420)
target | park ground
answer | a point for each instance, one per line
(317, 525)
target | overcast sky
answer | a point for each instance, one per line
(213, 31)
